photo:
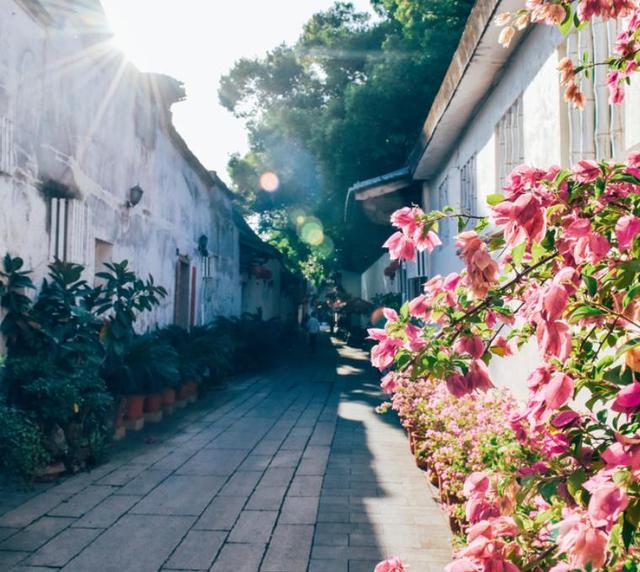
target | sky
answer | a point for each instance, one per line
(197, 42)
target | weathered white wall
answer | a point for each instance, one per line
(267, 296)
(373, 280)
(532, 73)
(72, 110)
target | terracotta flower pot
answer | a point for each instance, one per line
(193, 390)
(422, 463)
(153, 403)
(122, 409)
(433, 478)
(135, 407)
(183, 392)
(168, 397)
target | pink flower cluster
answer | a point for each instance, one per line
(414, 234)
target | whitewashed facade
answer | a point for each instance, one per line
(79, 127)
(498, 108)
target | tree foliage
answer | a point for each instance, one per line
(342, 104)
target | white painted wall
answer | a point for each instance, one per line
(373, 280)
(72, 110)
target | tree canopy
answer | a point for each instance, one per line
(344, 103)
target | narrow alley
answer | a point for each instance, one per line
(292, 471)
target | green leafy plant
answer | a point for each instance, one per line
(22, 453)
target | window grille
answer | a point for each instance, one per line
(510, 141)
(69, 230)
(443, 201)
(468, 187)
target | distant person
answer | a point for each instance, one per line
(313, 327)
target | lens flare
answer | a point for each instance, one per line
(326, 248)
(312, 233)
(269, 182)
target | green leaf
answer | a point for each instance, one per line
(627, 346)
(567, 23)
(495, 199)
(591, 283)
(517, 253)
(584, 312)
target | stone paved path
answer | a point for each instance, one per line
(287, 472)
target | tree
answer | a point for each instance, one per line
(343, 104)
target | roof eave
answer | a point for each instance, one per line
(475, 67)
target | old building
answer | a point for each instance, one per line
(498, 108)
(92, 169)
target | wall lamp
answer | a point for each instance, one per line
(135, 196)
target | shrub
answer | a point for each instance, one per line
(22, 453)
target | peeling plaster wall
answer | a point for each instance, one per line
(73, 111)
(266, 296)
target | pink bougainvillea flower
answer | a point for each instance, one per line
(558, 391)
(415, 341)
(482, 270)
(627, 228)
(400, 247)
(388, 383)
(586, 171)
(607, 503)
(523, 219)
(463, 565)
(419, 306)
(426, 240)
(478, 376)
(406, 219)
(458, 385)
(554, 339)
(393, 564)
(472, 345)
(565, 418)
(383, 354)
(580, 540)
(628, 399)
(390, 314)
(476, 483)
(622, 454)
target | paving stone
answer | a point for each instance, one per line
(221, 514)
(35, 535)
(82, 502)
(122, 475)
(145, 482)
(197, 551)
(239, 558)
(253, 526)
(31, 510)
(289, 549)
(299, 510)
(267, 498)
(329, 566)
(7, 532)
(107, 512)
(277, 476)
(136, 542)
(255, 462)
(10, 559)
(305, 486)
(64, 547)
(241, 483)
(180, 495)
(286, 459)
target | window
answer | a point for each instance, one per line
(7, 151)
(182, 293)
(442, 200)
(208, 266)
(468, 187)
(597, 132)
(103, 254)
(510, 142)
(69, 230)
